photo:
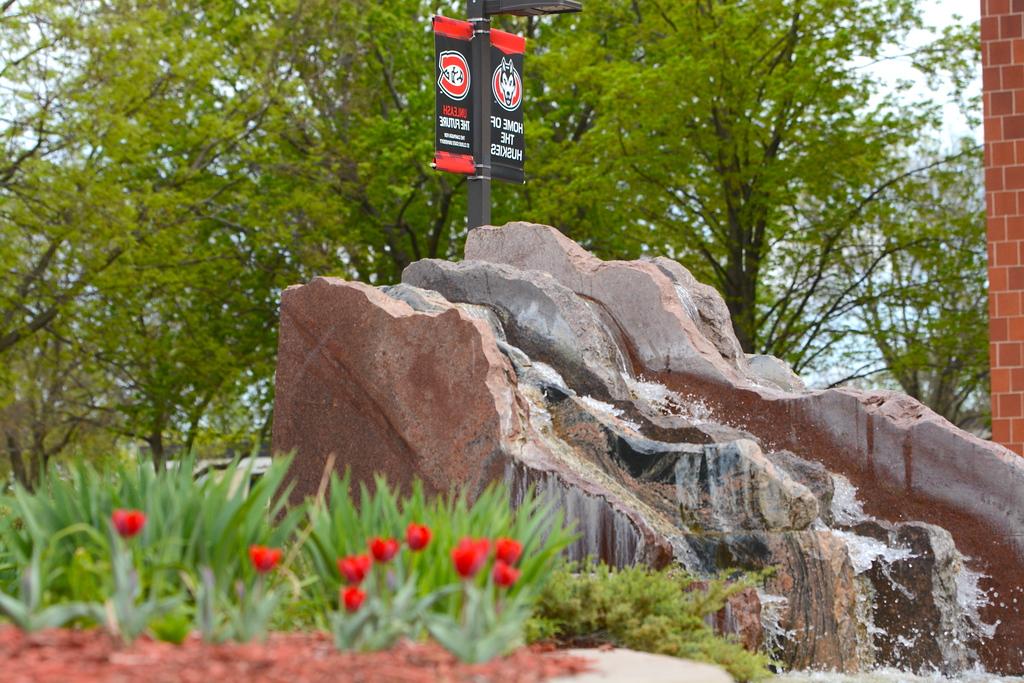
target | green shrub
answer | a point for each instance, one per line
(642, 609)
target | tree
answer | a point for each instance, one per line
(116, 224)
(48, 407)
(925, 312)
(56, 237)
(348, 165)
(742, 138)
(166, 169)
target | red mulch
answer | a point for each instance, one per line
(75, 656)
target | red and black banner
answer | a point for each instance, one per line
(456, 83)
(454, 124)
(508, 144)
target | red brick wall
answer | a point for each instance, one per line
(1002, 39)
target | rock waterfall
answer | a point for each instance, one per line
(619, 390)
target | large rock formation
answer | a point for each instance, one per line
(916, 465)
(618, 389)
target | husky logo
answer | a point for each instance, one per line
(454, 78)
(507, 85)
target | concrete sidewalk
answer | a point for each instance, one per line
(629, 666)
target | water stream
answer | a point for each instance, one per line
(893, 676)
(611, 534)
(663, 400)
(847, 510)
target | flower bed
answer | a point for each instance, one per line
(166, 555)
(127, 559)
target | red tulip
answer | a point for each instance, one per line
(128, 522)
(264, 559)
(469, 556)
(505, 575)
(417, 536)
(508, 550)
(353, 598)
(354, 568)
(383, 549)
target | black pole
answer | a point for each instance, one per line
(480, 65)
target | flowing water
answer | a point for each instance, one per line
(848, 510)
(892, 676)
(606, 529)
(601, 408)
(667, 402)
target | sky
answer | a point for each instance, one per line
(942, 13)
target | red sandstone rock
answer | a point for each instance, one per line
(740, 617)
(706, 308)
(389, 390)
(427, 393)
(810, 603)
(540, 316)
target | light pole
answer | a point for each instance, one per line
(479, 212)
(480, 12)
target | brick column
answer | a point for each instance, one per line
(1002, 50)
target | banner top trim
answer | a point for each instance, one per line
(453, 28)
(509, 43)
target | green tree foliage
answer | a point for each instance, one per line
(167, 168)
(128, 162)
(48, 415)
(745, 138)
(353, 146)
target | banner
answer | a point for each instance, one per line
(453, 145)
(508, 145)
